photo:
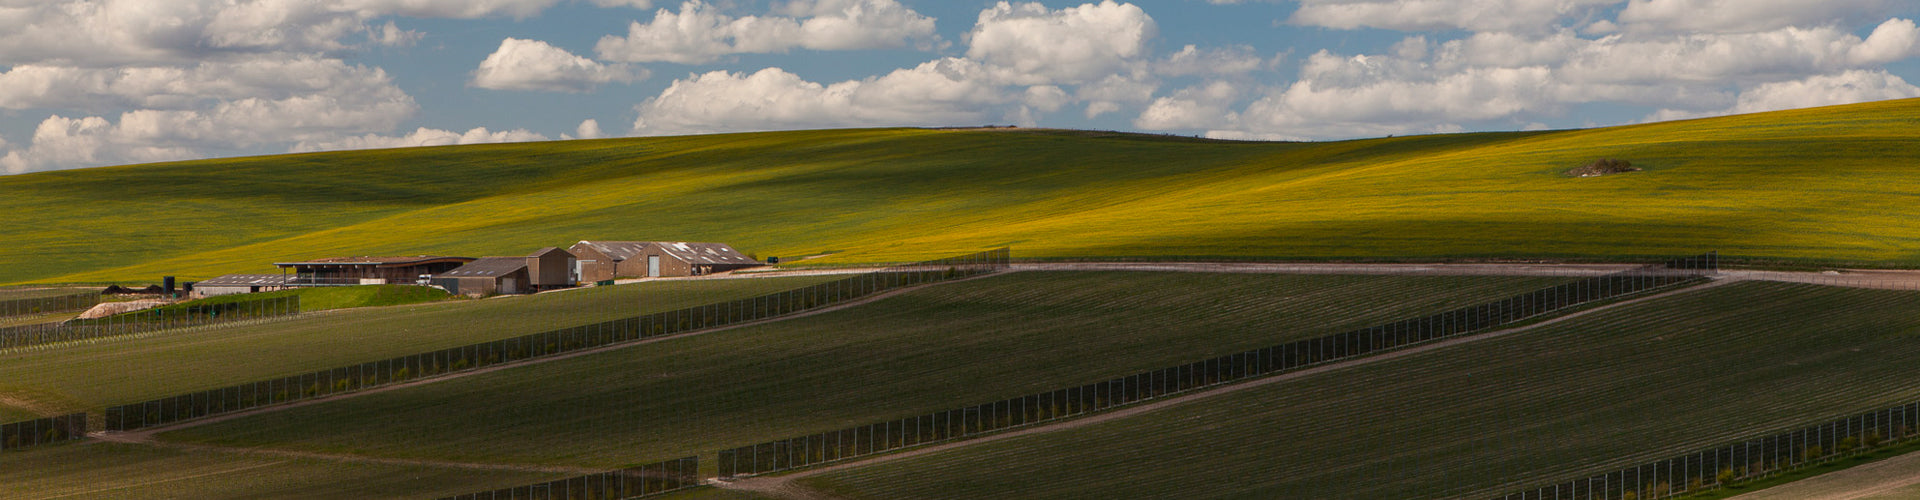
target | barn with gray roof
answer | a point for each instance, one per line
(546, 269)
(486, 276)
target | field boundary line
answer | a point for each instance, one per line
(147, 433)
(782, 484)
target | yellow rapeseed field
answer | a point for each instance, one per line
(1833, 185)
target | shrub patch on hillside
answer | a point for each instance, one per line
(1603, 166)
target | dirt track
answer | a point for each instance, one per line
(783, 485)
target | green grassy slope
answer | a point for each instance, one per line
(930, 349)
(123, 371)
(1609, 390)
(342, 297)
(1826, 184)
(114, 471)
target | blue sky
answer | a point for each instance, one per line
(102, 82)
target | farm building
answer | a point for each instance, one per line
(239, 283)
(546, 269)
(550, 268)
(605, 260)
(486, 276)
(368, 270)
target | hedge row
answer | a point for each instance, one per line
(42, 431)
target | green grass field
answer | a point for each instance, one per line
(113, 470)
(1825, 184)
(118, 371)
(337, 297)
(930, 349)
(1596, 393)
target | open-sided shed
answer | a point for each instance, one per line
(367, 270)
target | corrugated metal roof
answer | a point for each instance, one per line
(245, 280)
(488, 267)
(692, 253)
(373, 261)
(618, 250)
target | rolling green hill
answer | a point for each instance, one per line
(1831, 185)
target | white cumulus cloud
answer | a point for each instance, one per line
(1198, 107)
(149, 32)
(421, 137)
(181, 113)
(1423, 86)
(1030, 44)
(1431, 15)
(1850, 87)
(36, 86)
(535, 65)
(698, 33)
(948, 91)
(1746, 16)
(588, 129)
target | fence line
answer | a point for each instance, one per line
(632, 482)
(475, 356)
(149, 321)
(1750, 458)
(831, 446)
(59, 303)
(71, 427)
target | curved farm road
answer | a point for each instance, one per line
(784, 486)
(1886, 479)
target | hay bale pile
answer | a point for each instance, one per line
(1603, 166)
